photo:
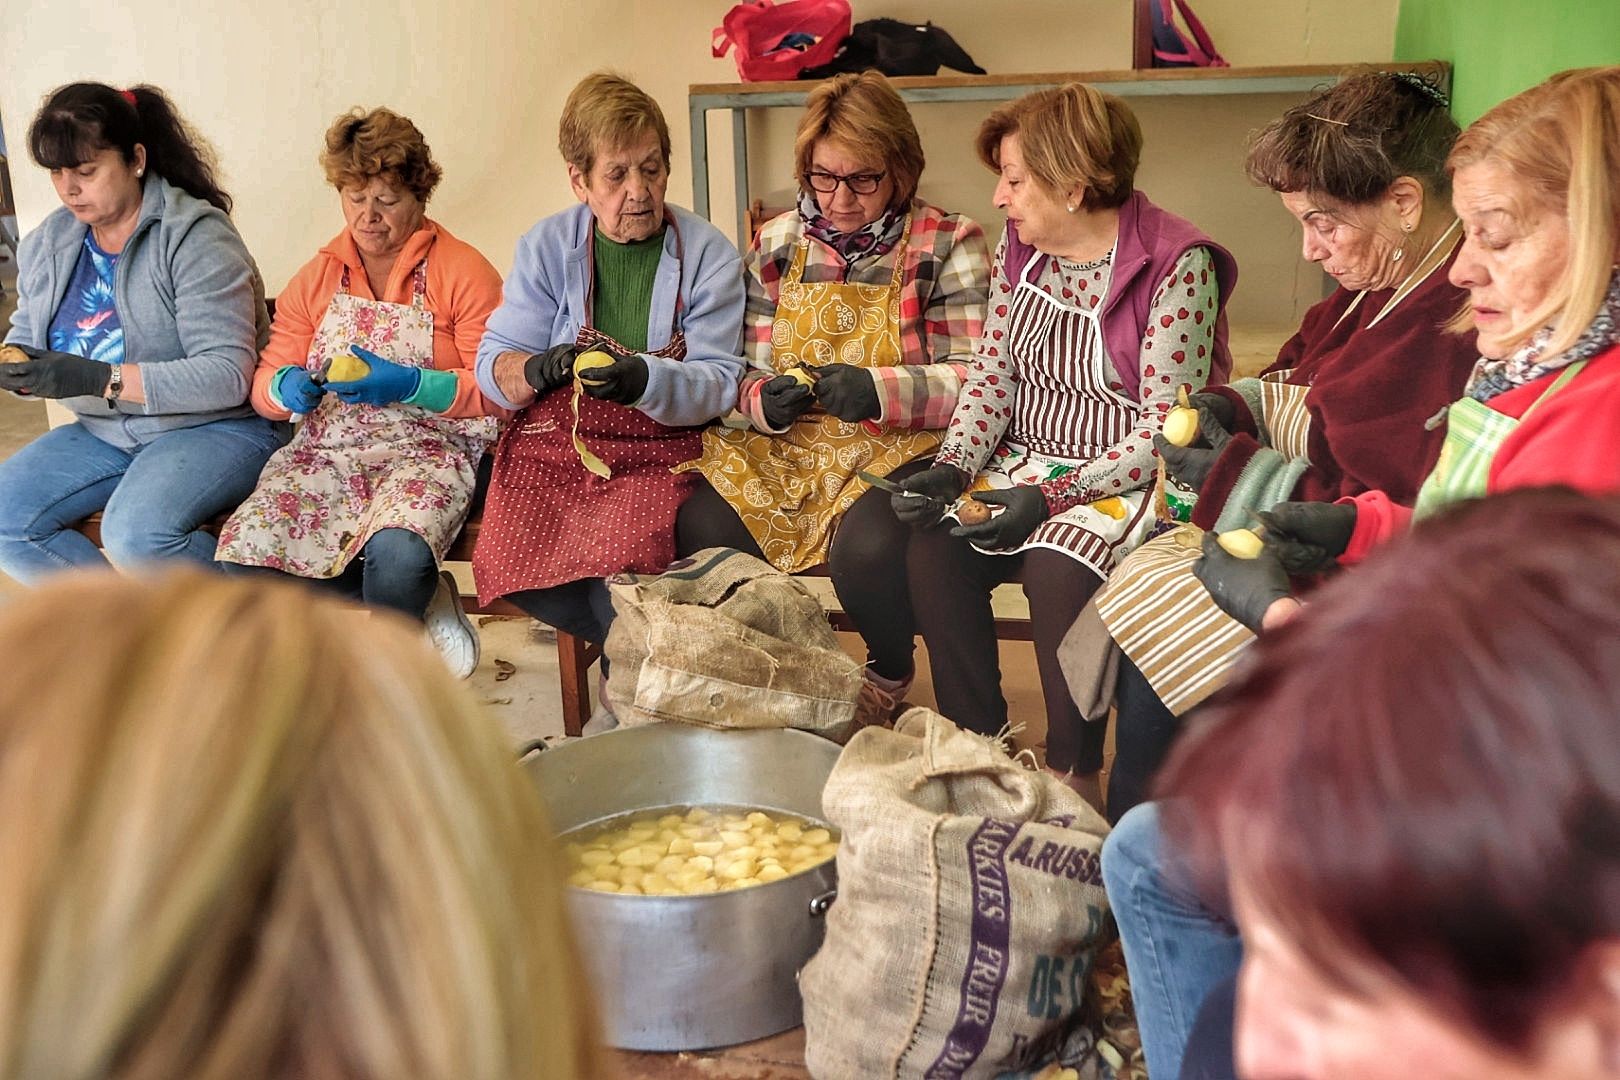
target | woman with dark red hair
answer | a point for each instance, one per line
(1426, 873)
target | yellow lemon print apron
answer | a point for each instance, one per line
(790, 489)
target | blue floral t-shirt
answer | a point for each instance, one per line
(86, 322)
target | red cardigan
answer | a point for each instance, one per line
(1572, 439)
(1371, 389)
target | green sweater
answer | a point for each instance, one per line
(622, 300)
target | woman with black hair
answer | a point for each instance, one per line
(141, 311)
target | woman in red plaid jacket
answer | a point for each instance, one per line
(864, 307)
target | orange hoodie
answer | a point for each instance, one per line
(462, 289)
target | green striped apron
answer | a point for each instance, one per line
(1474, 434)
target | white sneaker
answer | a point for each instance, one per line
(448, 627)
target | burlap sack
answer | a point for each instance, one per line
(724, 640)
(970, 906)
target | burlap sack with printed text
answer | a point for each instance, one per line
(725, 640)
(970, 908)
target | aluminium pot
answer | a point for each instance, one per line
(716, 969)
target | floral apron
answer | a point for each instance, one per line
(548, 520)
(1160, 614)
(1474, 434)
(354, 470)
(791, 489)
(1066, 415)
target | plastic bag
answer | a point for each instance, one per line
(771, 41)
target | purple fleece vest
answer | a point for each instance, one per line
(1150, 242)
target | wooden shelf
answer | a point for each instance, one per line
(738, 98)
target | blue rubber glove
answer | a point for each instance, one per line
(385, 384)
(297, 391)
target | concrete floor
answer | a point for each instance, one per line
(517, 680)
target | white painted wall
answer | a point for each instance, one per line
(485, 81)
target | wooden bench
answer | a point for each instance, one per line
(574, 655)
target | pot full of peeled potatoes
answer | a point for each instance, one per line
(699, 871)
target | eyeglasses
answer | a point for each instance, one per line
(859, 183)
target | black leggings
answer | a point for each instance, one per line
(395, 570)
(867, 562)
(1144, 730)
(582, 608)
(951, 582)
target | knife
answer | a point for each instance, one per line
(895, 489)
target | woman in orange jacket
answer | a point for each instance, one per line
(373, 342)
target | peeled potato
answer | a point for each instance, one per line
(802, 376)
(346, 367)
(1181, 426)
(1241, 543)
(972, 512)
(697, 851)
(588, 361)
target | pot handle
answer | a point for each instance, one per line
(533, 746)
(820, 904)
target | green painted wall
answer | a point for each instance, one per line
(1499, 47)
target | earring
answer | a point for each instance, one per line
(1406, 227)
(1071, 207)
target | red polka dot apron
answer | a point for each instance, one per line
(549, 520)
(1065, 416)
(354, 470)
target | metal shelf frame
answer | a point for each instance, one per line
(738, 98)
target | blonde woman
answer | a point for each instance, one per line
(264, 838)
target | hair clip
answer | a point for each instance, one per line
(1422, 86)
(1328, 120)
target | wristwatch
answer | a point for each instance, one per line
(115, 385)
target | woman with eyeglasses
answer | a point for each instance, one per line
(1102, 308)
(864, 304)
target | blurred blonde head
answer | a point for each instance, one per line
(251, 834)
(1561, 141)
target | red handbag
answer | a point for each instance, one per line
(757, 32)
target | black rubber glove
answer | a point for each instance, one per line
(938, 486)
(1190, 465)
(784, 399)
(1308, 537)
(50, 374)
(1217, 407)
(550, 369)
(847, 391)
(1243, 588)
(622, 382)
(1025, 509)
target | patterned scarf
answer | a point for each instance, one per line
(874, 238)
(1492, 377)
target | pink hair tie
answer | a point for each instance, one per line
(129, 96)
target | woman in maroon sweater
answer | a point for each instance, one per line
(1341, 411)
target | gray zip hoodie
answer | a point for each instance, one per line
(192, 306)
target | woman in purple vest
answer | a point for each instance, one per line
(1102, 306)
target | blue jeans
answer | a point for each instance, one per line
(395, 570)
(153, 499)
(1176, 948)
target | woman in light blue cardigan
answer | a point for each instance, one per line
(140, 310)
(582, 484)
